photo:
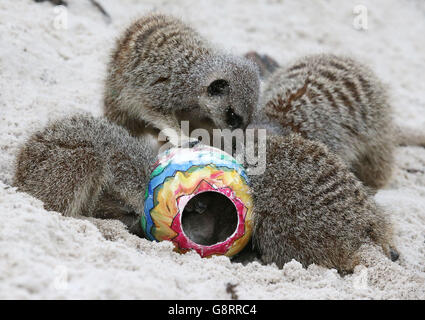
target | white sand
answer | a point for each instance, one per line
(46, 73)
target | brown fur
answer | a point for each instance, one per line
(339, 102)
(163, 72)
(314, 209)
(83, 166)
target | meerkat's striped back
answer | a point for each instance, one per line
(313, 209)
(155, 39)
(339, 102)
(155, 50)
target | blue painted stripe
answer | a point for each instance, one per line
(218, 161)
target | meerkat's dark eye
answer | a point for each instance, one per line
(232, 119)
(218, 87)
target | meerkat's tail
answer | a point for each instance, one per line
(410, 136)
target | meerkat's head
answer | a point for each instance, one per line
(228, 91)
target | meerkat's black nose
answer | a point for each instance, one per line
(232, 119)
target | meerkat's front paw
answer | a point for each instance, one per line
(190, 143)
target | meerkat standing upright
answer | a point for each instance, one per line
(163, 72)
(338, 102)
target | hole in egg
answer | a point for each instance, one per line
(209, 218)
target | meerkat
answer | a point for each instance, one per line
(314, 209)
(85, 166)
(163, 72)
(339, 102)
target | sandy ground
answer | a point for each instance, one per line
(47, 72)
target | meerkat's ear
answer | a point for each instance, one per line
(218, 87)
